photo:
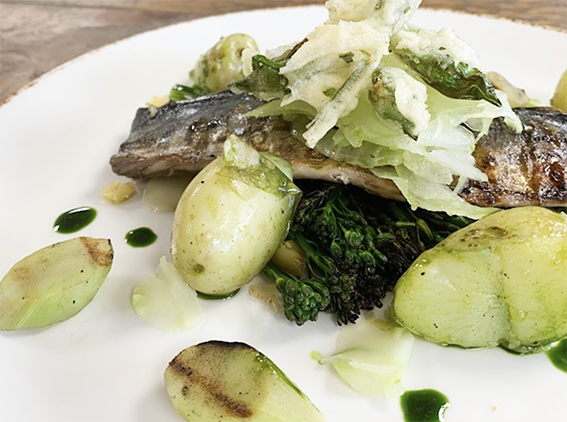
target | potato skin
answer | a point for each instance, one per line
(502, 281)
(225, 229)
(559, 99)
(223, 63)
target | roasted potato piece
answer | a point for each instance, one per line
(231, 219)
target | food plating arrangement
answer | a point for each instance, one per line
(313, 231)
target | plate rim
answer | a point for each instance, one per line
(88, 53)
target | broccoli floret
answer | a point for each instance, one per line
(302, 299)
(357, 246)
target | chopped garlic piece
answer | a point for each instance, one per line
(269, 294)
(118, 192)
(159, 101)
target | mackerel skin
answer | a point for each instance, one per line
(186, 136)
(527, 168)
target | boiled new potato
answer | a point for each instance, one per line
(231, 219)
(501, 281)
(559, 99)
(224, 63)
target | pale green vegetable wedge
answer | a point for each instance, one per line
(502, 281)
(220, 381)
(559, 99)
(54, 283)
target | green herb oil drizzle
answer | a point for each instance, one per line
(424, 405)
(74, 220)
(140, 237)
(206, 296)
(558, 355)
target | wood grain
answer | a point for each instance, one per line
(38, 35)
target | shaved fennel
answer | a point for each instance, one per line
(407, 103)
(371, 356)
(165, 301)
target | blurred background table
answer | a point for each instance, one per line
(38, 35)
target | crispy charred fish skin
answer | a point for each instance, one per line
(186, 136)
(529, 168)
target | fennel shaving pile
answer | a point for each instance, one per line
(405, 102)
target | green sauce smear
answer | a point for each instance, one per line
(206, 296)
(140, 237)
(424, 405)
(74, 220)
(558, 355)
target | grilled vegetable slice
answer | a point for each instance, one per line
(501, 281)
(217, 380)
(54, 283)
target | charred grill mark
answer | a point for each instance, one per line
(529, 168)
(233, 407)
(180, 368)
(214, 390)
(101, 255)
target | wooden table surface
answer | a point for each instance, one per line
(38, 35)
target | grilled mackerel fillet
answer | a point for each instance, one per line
(186, 136)
(529, 168)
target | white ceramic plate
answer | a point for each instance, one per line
(105, 364)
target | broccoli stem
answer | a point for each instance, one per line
(356, 247)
